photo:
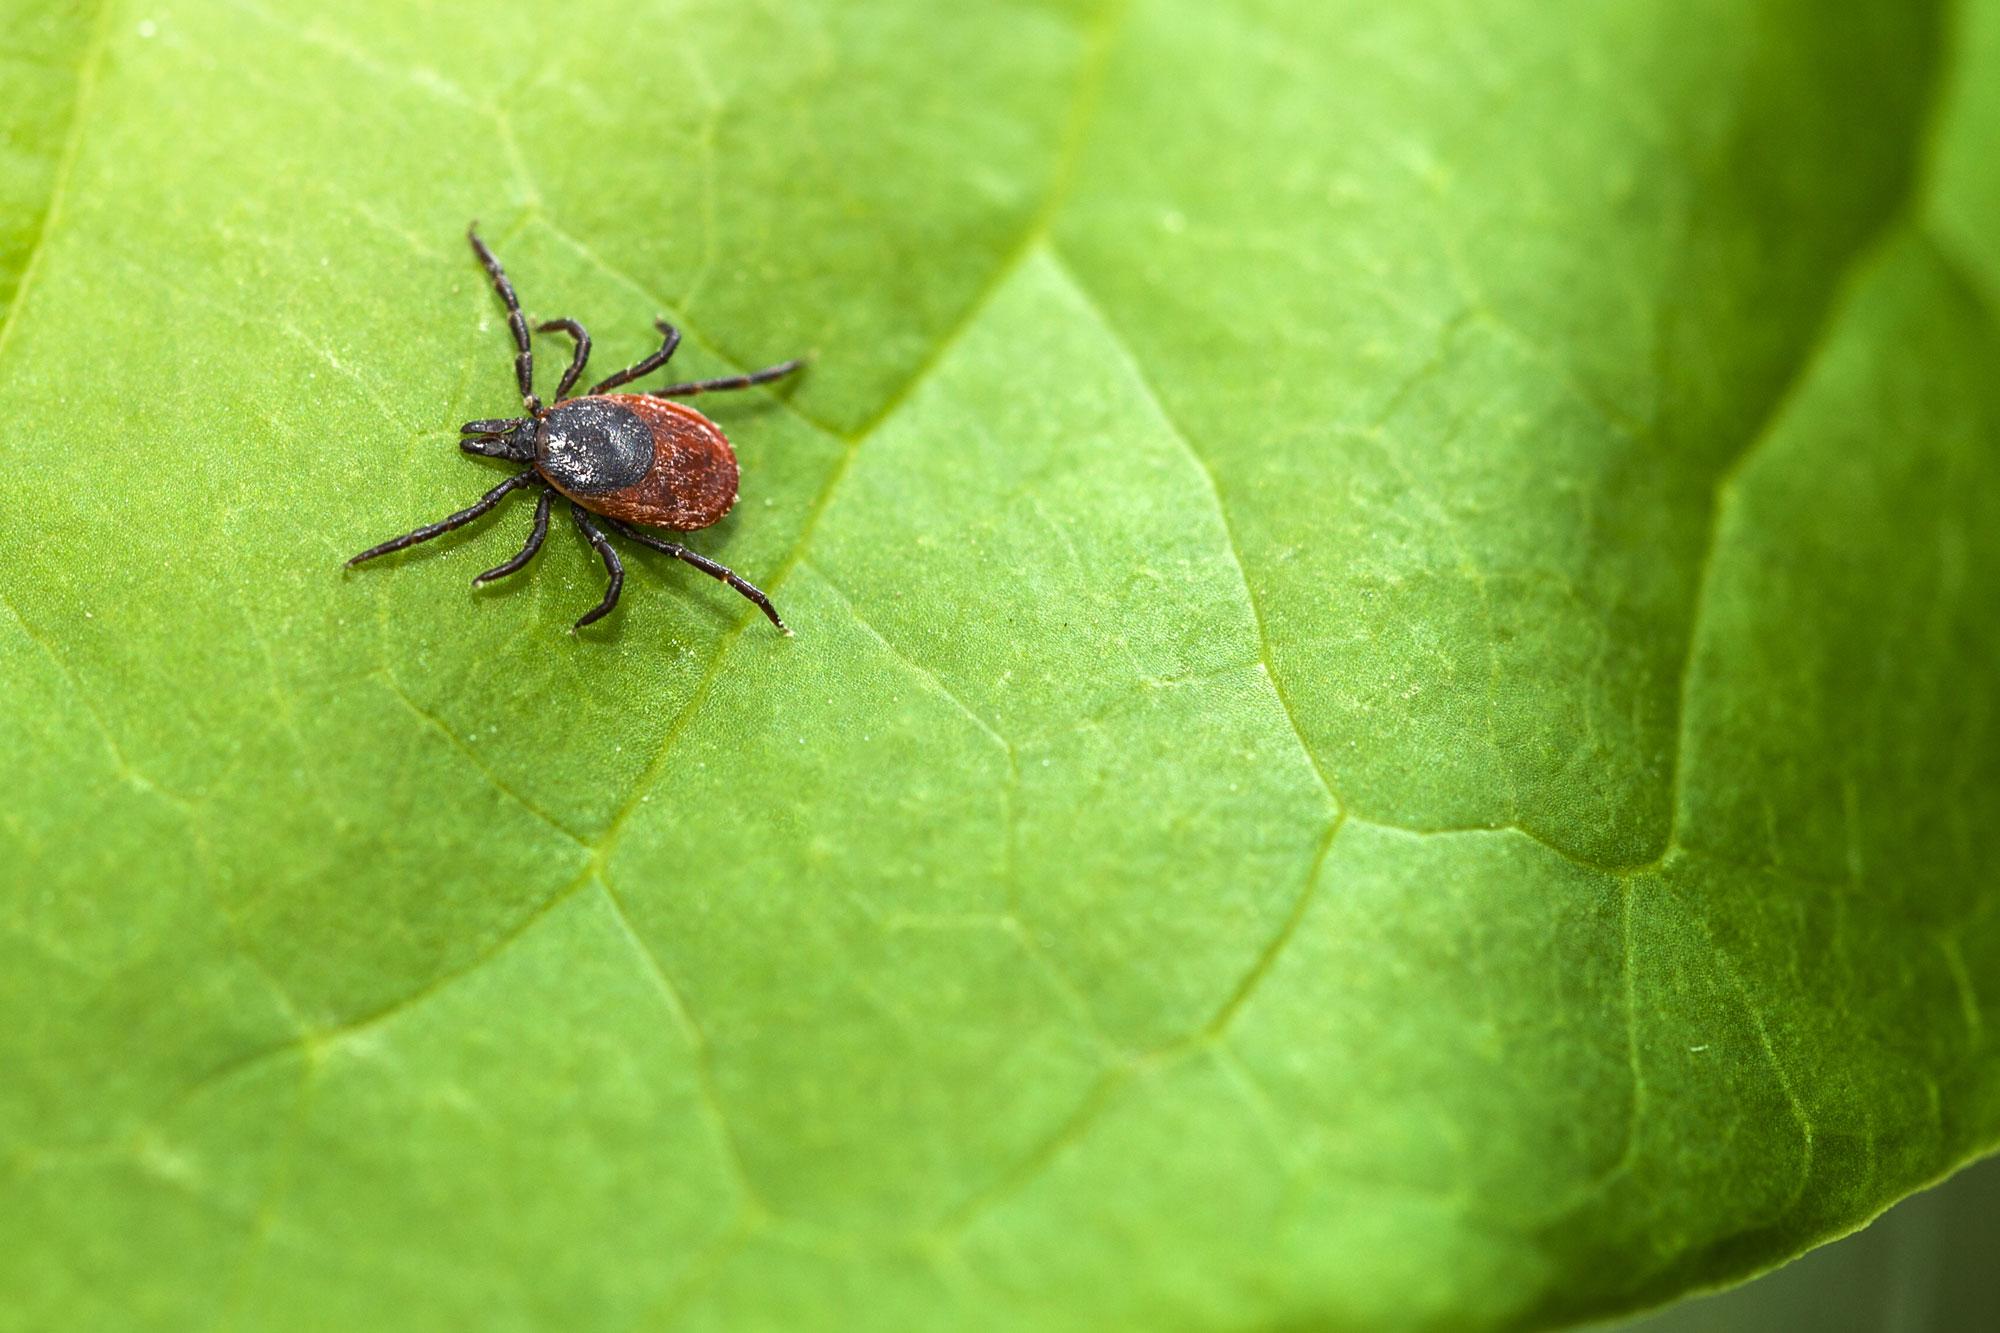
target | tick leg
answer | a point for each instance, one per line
(576, 363)
(535, 536)
(764, 376)
(713, 569)
(524, 358)
(611, 565)
(649, 365)
(444, 525)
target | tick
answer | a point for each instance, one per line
(628, 458)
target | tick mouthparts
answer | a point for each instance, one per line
(494, 427)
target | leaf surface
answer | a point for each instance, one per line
(1393, 721)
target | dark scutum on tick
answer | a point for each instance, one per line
(629, 458)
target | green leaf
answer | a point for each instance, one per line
(1393, 720)
(1924, 1264)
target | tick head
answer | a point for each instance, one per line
(511, 438)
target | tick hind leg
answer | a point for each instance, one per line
(714, 569)
(444, 525)
(764, 376)
(612, 566)
(524, 356)
(640, 369)
(577, 361)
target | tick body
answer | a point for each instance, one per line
(637, 460)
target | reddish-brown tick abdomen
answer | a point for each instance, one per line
(593, 449)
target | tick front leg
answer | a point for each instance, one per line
(649, 365)
(444, 525)
(611, 565)
(517, 323)
(714, 569)
(576, 362)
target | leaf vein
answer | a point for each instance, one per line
(471, 756)
(86, 89)
(677, 1008)
(1847, 276)
(1222, 517)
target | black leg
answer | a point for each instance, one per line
(576, 362)
(535, 537)
(649, 365)
(764, 376)
(611, 566)
(524, 358)
(709, 567)
(458, 520)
